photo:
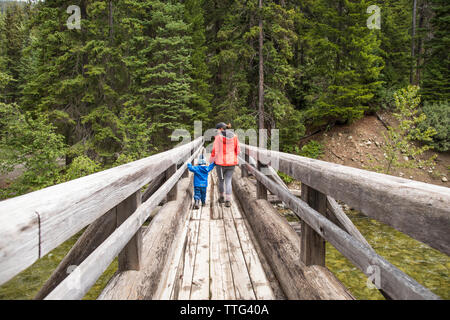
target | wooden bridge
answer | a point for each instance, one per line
(247, 251)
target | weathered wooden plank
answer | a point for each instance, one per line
(216, 210)
(392, 281)
(84, 276)
(200, 277)
(189, 260)
(222, 287)
(258, 277)
(242, 282)
(418, 209)
(169, 279)
(159, 242)
(312, 248)
(34, 224)
(130, 256)
(91, 238)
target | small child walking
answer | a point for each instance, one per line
(201, 172)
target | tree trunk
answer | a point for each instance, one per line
(411, 78)
(261, 78)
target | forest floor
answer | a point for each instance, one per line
(359, 145)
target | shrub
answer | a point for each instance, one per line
(438, 117)
(312, 149)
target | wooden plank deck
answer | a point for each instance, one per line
(216, 259)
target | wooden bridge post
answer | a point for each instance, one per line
(244, 172)
(312, 249)
(261, 190)
(172, 194)
(130, 256)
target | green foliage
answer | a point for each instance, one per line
(399, 139)
(313, 149)
(436, 78)
(438, 118)
(29, 141)
(287, 179)
(81, 166)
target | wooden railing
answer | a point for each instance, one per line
(34, 224)
(418, 209)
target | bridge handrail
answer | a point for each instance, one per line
(33, 224)
(392, 281)
(78, 283)
(415, 208)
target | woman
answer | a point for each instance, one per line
(225, 154)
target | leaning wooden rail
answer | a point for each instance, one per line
(392, 280)
(78, 283)
(418, 209)
(33, 224)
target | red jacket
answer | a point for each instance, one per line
(225, 149)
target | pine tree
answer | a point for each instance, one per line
(436, 78)
(201, 100)
(347, 65)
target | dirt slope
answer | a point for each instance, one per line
(359, 145)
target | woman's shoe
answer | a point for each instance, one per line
(196, 204)
(227, 204)
(221, 199)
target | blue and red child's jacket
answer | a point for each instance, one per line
(201, 174)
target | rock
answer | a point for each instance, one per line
(444, 179)
(430, 171)
(405, 158)
(362, 160)
(346, 207)
(377, 144)
(401, 174)
(368, 143)
(353, 159)
(350, 138)
(340, 134)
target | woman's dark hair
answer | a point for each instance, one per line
(223, 125)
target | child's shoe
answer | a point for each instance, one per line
(221, 199)
(196, 204)
(227, 203)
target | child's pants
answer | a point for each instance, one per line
(200, 194)
(225, 174)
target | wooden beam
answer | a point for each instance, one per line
(84, 276)
(32, 225)
(130, 256)
(313, 245)
(393, 281)
(344, 221)
(418, 209)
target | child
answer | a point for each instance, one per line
(200, 180)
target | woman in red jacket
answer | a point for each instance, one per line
(225, 154)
